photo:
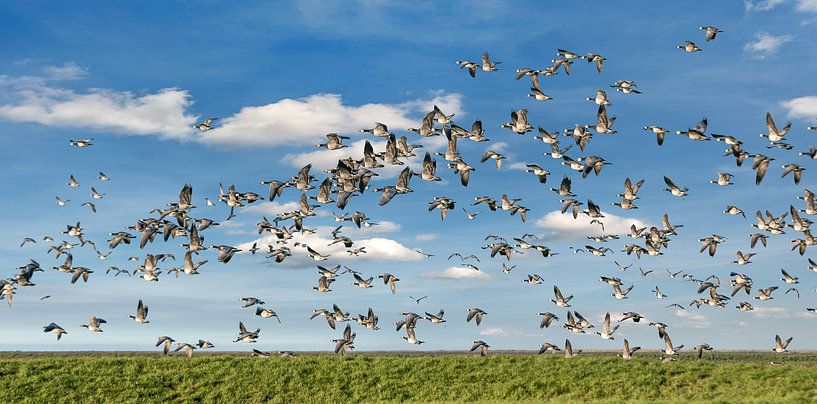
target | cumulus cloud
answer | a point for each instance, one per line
(306, 120)
(801, 107)
(377, 249)
(458, 273)
(563, 227)
(41, 100)
(272, 208)
(426, 237)
(766, 45)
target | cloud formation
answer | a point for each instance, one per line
(458, 273)
(801, 107)
(766, 45)
(562, 227)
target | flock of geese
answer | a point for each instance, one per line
(350, 180)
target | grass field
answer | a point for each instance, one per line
(123, 377)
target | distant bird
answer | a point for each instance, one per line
(94, 324)
(779, 345)
(689, 46)
(141, 313)
(711, 32)
(56, 329)
(82, 142)
(205, 125)
(476, 314)
(482, 346)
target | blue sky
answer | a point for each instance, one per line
(280, 76)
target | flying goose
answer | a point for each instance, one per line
(187, 347)
(548, 347)
(519, 122)
(333, 142)
(81, 142)
(669, 349)
(791, 280)
(627, 352)
(266, 313)
(246, 336)
(626, 86)
(472, 67)
(724, 179)
(696, 132)
(560, 300)
(167, 341)
(711, 32)
(53, 327)
(94, 324)
(779, 345)
(538, 95)
(390, 280)
(569, 353)
(475, 313)
(689, 46)
(760, 164)
(796, 169)
(606, 332)
(482, 346)
(362, 283)
(775, 135)
(674, 189)
(141, 313)
(487, 64)
(205, 125)
(766, 294)
(490, 154)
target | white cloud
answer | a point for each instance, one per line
(770, 312)
(766, 45)
(426, 237)
(801, 107)
(307, 120)
(563, 227)
(694, 319)
(458, 273)
(761, 5)
(272, 208)
(494, 332)
(377, 248)
(807, 6)
(68, 71)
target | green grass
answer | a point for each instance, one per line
(120, 377)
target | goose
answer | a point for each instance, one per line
(519, 122)
(659, 132)
(603, 123)
(379, 129)
(754, 238)
(627, 352)
(689, 46)
(766, 294)
(411, 337)
(490, 154)
(487, 64)
(645, 273)
(141, 313)
(72, 182)
(538, 95)
(333, 142)
(62, 202)
(626, 87)
(533, 280)
(561, 62)
(507, 269)
(674, 189)
(560, 300)
(260, 354)
(390, 280)
(476, 314)
(202, 344)
(569, 353)
(622, 268)
(547, 319)
(81, 142)
(658, 293)
(435, 318)
(760, 164)
(606, 332)
(471, 66)
(56, 329)
(796, 169)
(328, 315)
(788, 279)
(775, 135)
(779, 345)
(618, 293)
(90, 206)
(443, 204)
(724, 179)
(266, 313)
(187, 347)
(811, 153)
(597, 59)
(796, 292)
(205, 125)
(630, 315)
(166, 341)
(669, 349)
(546, 137)
(95, 194)
(417, 300)
(600, 98)
(661, 327)
(734, 210)
(470, 215)
(482, 346)
(362, 283)
(743, 259)
(246, 336)
(324, 284)
(548, 347)
(711, 32)
(696, 132)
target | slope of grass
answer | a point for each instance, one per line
(363, 377)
